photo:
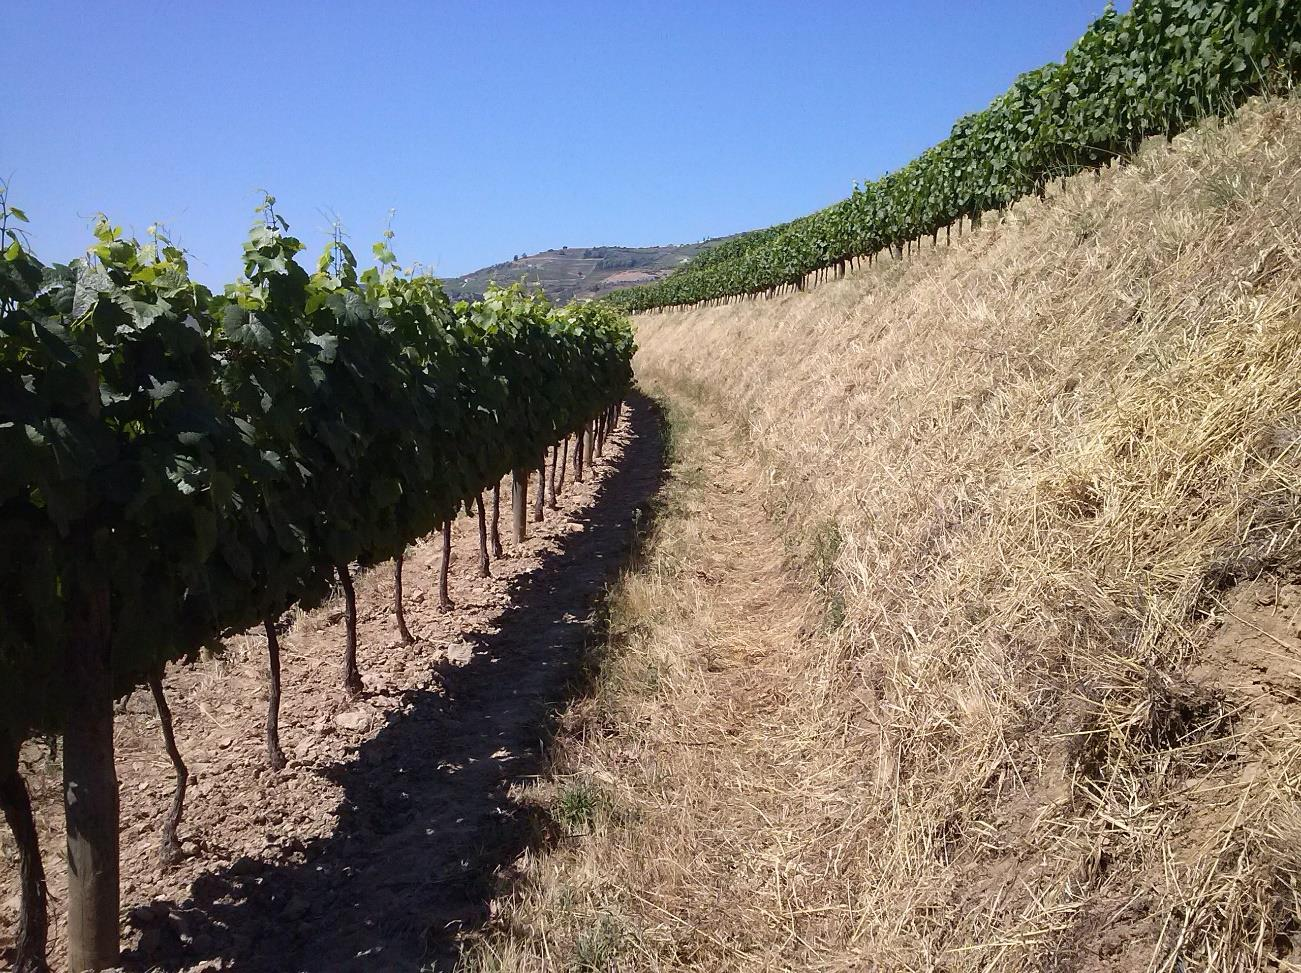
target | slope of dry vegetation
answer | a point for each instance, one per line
(1009, 675)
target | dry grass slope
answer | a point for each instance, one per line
(1035, 702)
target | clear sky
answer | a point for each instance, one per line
(492, 128)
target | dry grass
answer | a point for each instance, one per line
(1034, 703)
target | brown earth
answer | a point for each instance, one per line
(383, 838)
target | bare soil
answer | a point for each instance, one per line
(381, 842)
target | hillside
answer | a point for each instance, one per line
(577, 272)
(1151, 70)
(967, 636)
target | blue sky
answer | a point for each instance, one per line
(491, 128)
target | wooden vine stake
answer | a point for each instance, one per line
(90, 789)
(555, 457)
(540, 499)
(519, 498)
(485, 570)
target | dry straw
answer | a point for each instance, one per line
(978, 648)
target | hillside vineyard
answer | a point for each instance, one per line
(1154, 70)
(179, 465)
(1018, 488)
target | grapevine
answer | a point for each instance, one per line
(182, 465)
(1154, 70)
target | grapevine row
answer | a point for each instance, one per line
(180, 465)
(1154, 70)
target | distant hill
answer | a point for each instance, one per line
(577, 272)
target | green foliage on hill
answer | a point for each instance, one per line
(1156, 69)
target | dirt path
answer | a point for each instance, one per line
(380, 842)
(712, 841)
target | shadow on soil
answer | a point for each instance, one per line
(426, 821)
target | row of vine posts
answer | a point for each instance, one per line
(181, 466)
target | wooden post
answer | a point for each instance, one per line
(555, 461)
(541, 497)
(519, 496)
(485, 571)
(90, 796)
